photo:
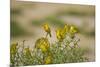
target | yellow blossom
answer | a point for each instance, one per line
(66, 28)
(13, 48)
(73, 30)
(27, 52)
(59, 35)
(42, 44)
(43, 48)
(48, 60)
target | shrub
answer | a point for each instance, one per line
(65, 50)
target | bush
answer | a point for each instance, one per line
(65, 50)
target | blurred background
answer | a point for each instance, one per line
(27, 19)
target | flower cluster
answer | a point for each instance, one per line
(65, 50)
(67, 30)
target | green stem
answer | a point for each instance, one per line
(46, 35)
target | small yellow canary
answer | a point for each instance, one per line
(47, 29)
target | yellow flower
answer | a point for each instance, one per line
(59, 35)
(46, 44)
(27, 52)
(48, 60)
(42, 44)
(43, 48)
(66, 28)
(73, 30)
(47, 29)
(13, 48)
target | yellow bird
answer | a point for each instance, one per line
(47, 29)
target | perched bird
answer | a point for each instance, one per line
(47, 29)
